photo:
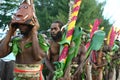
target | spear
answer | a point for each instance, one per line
(69, 34)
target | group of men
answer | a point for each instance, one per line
(28, 61)
(28, 46)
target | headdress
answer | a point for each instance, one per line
(25, 15)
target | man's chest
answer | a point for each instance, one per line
(54, 48)
(25, 46)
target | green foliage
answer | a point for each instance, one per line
(108, 57)
(43, 44)
(96, 42)
(49, 10)
(74, 48)
(89, 11)
(16, 49)
(15, 46)
(59, 70)
(7, 8)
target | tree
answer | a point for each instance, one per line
(7, 8)
(49, 10)
(89, 11)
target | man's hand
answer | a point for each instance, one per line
(12, 29)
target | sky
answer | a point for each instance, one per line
(112, 12)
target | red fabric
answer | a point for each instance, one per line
(22, 71)
(41, 75)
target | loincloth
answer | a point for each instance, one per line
(28, 71)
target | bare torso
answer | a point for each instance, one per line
(54, 51)
(26, 55)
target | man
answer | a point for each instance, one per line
(27, 48)
(53, 55)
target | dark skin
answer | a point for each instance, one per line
(31, 55)
(54, 52)
(54, 48)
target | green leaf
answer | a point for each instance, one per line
(83, 76)
(15, 46)
(64, 42)
(59, 70)
(97, 40)
(115, 47)
(42, 42)
(15, 49)
(28, 45)
(77, 39)
(108, 58)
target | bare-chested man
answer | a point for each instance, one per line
(28, 58)
(26, 47)
(53, 56)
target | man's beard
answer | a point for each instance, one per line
(24, 33)
(57, 37)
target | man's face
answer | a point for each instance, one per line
(24, 29)
(55, 31)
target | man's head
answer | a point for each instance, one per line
(24, 29)
(55, 31)
(25, 15)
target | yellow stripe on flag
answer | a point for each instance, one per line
(108, 38)
(69, 38)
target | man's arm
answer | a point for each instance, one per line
(4, 44)
(49, 66)
(38, 53)
(48, 63)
